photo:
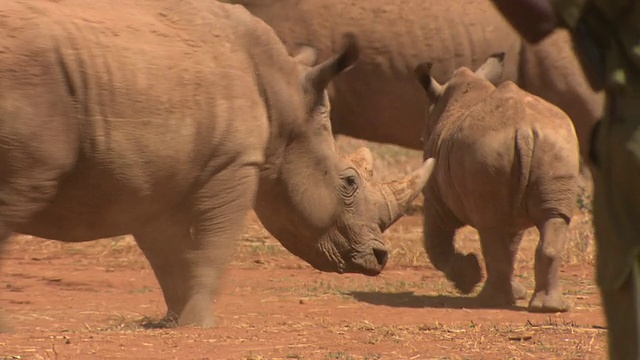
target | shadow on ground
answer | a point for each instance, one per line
(409, 299)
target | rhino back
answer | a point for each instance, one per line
(550, 69)
(506, 155)
(158, 106)
(395, 37)
(379, 99)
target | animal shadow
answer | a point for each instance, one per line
(409, 299)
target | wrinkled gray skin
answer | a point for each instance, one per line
(379, 100)
(506, 160)
(139, 122)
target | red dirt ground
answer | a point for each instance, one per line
(88, 301)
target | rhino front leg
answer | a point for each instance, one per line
(547, 296)
(500, 248)
(163, 243)
(463, 270)
(220, 211)
(189, 261)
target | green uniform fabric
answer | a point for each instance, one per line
(613, 33)
(606, 35)
(617, 224)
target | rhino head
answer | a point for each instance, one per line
(462, 89)
(321, 206)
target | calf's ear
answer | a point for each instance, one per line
(492, 68)
(429, 84)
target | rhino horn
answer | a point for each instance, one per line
(397, 195)
(321, 75)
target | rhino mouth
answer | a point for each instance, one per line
(368, 262)
(368, 258)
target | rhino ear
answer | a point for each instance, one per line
(363, 161)
(306, 55)
(492, 68)
(321, 75)
(429, 84)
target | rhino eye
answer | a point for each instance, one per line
(349, 184)
(349, 188)
(351, 181)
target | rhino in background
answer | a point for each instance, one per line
(379, 100)
(506, 160)
(169, 120)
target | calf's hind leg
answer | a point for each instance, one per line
(439, 231)
(547, 296)
(500, 248)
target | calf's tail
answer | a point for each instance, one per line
(524, 146)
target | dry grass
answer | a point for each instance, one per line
(475, 341)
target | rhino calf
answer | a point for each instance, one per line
(506, 160)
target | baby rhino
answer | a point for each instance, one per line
(506, 160)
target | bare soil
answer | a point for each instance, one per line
(90, 301)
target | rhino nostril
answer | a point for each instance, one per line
(382, 255)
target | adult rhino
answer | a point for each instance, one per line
(379, 100)
(506, 161)
(169, 120)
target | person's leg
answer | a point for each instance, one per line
(617, 226)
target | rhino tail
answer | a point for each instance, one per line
(525, 143)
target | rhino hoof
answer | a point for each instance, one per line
(495, 295)
(466, 272)
(542, 302)
(519, 291)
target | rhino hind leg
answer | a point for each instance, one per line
(36, 151)
(499, 248)
(19, 203)
(519, 290)
(462, 269)
(547, 295)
